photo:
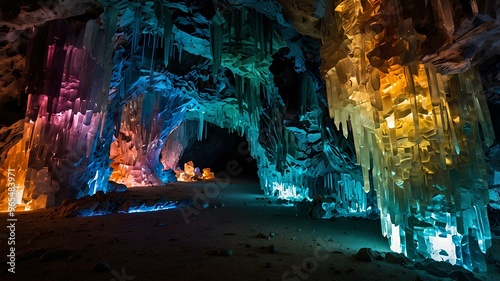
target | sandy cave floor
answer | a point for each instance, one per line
(219, 243)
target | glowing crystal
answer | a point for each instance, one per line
(420, 129)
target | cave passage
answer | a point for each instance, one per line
(220, 148)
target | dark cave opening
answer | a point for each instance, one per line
(221, 150)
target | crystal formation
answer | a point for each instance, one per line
(341, 101)
(418, 132)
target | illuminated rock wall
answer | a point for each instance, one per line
(417, 132)
(241, 95)
(68, 84)
(146, 123)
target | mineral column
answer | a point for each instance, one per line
(68, 78)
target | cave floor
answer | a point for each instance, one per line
(219, 243)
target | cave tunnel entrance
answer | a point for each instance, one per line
(220, 148)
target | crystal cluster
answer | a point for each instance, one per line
(192, 173)
(144, 128)
(417, 132)
(68, 83)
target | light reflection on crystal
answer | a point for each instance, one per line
(192, 173)
(416, 131)
(65, 114)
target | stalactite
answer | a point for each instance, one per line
(238, 22)
(216, 42)
(259, 39)
(152, 66)
(307, 92)
(131, 74)
(240, 86)
(201, 124)
(165, 21)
